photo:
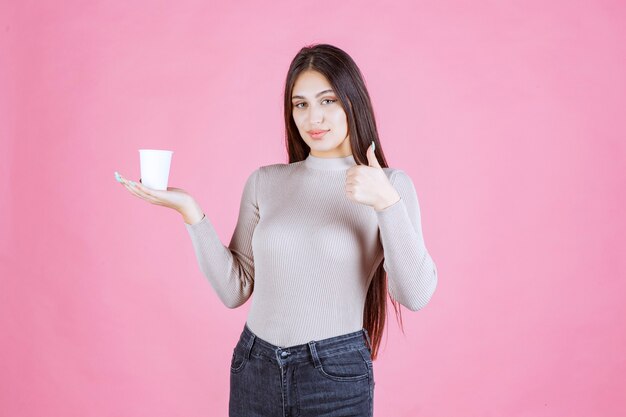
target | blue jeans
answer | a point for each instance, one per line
(326, 378)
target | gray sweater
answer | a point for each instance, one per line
(309, 253)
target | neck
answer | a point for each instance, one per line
(329, 164)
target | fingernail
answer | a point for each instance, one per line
(132, 183)
(117, 177)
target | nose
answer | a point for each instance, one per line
(316, 115)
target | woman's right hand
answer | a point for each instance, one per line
(174, 198)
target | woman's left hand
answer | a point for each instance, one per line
(369, 184)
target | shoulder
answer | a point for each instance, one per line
(278, 170)
(280, 167)
(273, 173)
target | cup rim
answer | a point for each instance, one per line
(156, 150)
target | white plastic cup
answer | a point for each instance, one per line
(155, 167)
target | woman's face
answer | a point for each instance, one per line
(315, 107)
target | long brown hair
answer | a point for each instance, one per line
(347, 81)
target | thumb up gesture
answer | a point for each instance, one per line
(369, 184)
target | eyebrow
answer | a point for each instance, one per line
(317, 95)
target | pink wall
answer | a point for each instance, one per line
(509, 117)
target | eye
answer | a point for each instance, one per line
(296, 105)
(329, 99)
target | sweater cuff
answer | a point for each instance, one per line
(392, 211)
(390, 207)
(195, 225)
(203, 227)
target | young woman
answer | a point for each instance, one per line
(314, 241)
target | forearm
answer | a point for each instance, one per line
(229, 269)
(412, 275)
(230, 273)
(216, 261)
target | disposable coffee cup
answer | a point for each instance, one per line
(155, 167)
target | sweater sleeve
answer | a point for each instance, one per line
(412, 274)
(229, 270)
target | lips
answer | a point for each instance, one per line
(316, 134)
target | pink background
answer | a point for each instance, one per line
(509, 117)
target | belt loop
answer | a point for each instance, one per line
(367, 336)
(249, 345)
(316, 359)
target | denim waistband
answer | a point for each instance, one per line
(252, 344)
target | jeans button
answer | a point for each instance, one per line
(284, 354)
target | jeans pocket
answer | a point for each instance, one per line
(367, 355)
(349, 365)
(238, 361)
